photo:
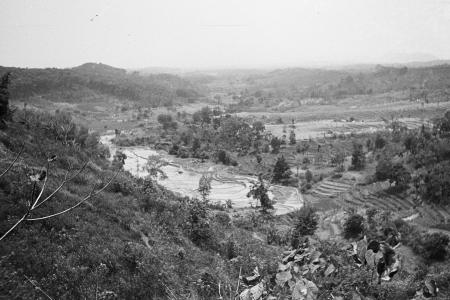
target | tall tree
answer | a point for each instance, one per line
(281, 170)
(204, 187)
(358, 157)
(4, 96)
(292, 139)
(259, 192)
(275, 143)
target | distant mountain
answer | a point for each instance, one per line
(74, 84)
(399, 58)
(158, 70)
(323, 83)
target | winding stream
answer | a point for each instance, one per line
(224, 185)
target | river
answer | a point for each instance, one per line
(224, 185)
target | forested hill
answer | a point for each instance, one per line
(90, 79)
(347, 82)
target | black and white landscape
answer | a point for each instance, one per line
(225, 149)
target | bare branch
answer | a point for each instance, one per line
(62, 184)
(33, 204)
(43, 187)
(13, 162)
(15, 225)
(38, 288)
(92, 193)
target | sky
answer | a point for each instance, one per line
(221, 33)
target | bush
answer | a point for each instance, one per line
(306, 221)
(432, 246)
(353, 226)
(277, 237)
(379, 142)
(230, 249)
(281, 170)
(358, 157)
(308, 176)
(223, 157)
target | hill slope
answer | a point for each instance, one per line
(71, 85)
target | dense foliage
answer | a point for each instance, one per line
(134, 240)
(306, 221)
(4, 97)
(93, 79)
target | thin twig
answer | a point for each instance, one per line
(92, 193)
(47, 174)
(238, 283)
(63, 183)
(38, 288)
(13, 162)
(14, 226)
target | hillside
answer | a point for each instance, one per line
(76, 84)
(133, 240)
(322, 83)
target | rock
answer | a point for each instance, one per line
(253, 293)
(304, 290)
(283, 277)
(330, 269)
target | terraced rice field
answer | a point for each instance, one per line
(330, 188)
(224, 186)
(426, 214)
(321, 128)
(344, 193)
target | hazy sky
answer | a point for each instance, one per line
(225, 33)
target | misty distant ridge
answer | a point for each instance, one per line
(326, 66)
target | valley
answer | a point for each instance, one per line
(219, 176)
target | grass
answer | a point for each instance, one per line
(132, 240)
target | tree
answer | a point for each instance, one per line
(292, 140)
(167, 121)
(154, 167)
(259, 192)
(119, 160)
(432, 246)
(196, 145)
(4, 96)
(358, 157)
(411, 142)
(308, 176)
(437, 184)
(338, 160)
(384, 169)
(353, 226)
(400, 176)
(223, 157)
(275, 143)
(204, 187)
(306, 221)
(258, 128)
(205, 115)
(281, 170)
(379, 142)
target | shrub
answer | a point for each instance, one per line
(358, 157)
(223, 219)
(230, 249)
(353, 226)
(281, 170)
(379, 142)
(223, 157)
(432, 246)
(277, 237)
(308, 176)
(306, 221)
(259, 192)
